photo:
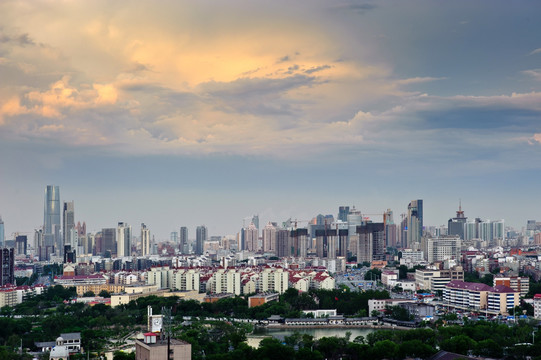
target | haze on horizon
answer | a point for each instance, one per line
(183, 113)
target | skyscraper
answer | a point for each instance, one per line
(184, 245)
(123, 240)
(2, 235)
(415, 222)
(201, 235)
(68, 216)
(455, 226)
(51, 221)
(145, 240)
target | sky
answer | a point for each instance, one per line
(182, 113)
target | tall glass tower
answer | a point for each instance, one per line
(51, 221)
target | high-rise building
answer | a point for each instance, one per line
(299, 242)
(327, 245)
(255, 221)
(145, 240)
(443, 248)
(184, 245)
(343, 242)
(354, 219)
(343, 212)
(455, 226)
(81, 228)
(201, 236)
(7, 266)
(269, 237)
(2, 233)
(415, 223)
(68, 216)
(251, 238)
(123, 240)
(371, 243)
(174, 237)
(283, 247)
(391, 239)
(38, 244)
(21, 244)
(472, 229)
(108, 241)
(51, 221)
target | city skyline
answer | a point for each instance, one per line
(188, 113)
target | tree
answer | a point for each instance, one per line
(89, 294)
(373, 274)
(121, 355)
(105, 294)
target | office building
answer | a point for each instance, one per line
(123, 240)
(414, 223)
(184, 244)
(7, 266)
(145, 240)
(201, 236)
(174, 237)
(51, 221)
(2, 233)
(456, 225)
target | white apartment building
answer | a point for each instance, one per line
(273, 279)
(225, 281)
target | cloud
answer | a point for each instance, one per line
(536, 51)
(361, 8)
(316, 69)
(419, 80)
(534, 73)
